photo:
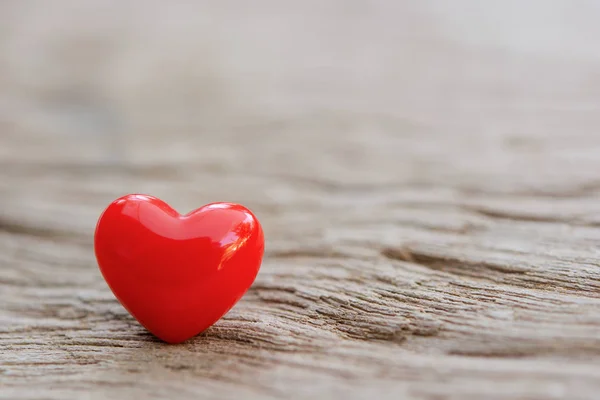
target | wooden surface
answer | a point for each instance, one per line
(427, 174)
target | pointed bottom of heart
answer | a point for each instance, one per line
(177, 324)
(176, 334)
(178, 321)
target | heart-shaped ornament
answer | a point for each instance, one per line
(177, 274)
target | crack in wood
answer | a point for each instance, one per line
(447, 263)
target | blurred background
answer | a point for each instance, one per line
(496, 96)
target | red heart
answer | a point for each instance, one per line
(177, 274)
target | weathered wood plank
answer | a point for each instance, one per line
(427, 177)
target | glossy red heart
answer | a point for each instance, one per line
(177, 274)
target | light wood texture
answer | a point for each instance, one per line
(427, 174)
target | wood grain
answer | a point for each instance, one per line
(426, 174)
